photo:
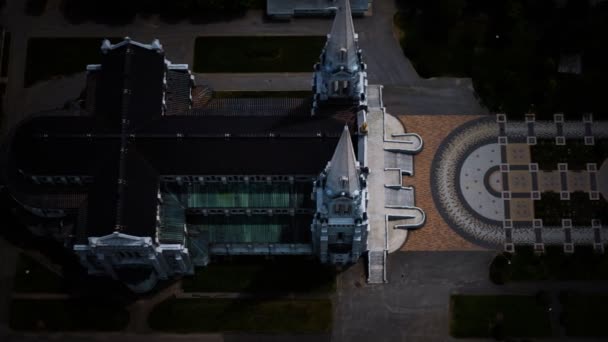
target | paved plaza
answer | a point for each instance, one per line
(485, 182)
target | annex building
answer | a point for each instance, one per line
(286, 9)
(154, 183)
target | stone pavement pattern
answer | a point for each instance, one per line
(436, 235)
(472, 184)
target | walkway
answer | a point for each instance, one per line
(385, 131)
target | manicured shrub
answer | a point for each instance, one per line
(500, 270)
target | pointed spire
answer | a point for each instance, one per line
(341, 46)
(342, 174)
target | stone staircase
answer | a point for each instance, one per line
(376, 260)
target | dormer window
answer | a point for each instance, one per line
(344, 182)
(343, 55)
(342, 209)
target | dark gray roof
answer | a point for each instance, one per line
(126, 143)
(342, 39)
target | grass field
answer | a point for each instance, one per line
(474, 316)
(52, 57)
(250, 315)
(585, 315)
(257, 54)
(66, 315)
(30, 276)
(256, 275)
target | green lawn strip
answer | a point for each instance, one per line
(474, 316)
(252, 54)
(554, 264)
(262, 94)
(246, 315)
(286, 274)
(51, 57)
(67, 315)
(30, 276)
(585, 315)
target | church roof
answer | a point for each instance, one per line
(341, 48)
(126, 144)
(342, 174)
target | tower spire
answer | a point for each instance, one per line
(342, 174)
(341, 46)
(340, 76)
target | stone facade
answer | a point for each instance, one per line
(340, 75)
(340, 225)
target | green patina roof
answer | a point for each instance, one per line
(254, 229)
(236, 228)
(173, 218)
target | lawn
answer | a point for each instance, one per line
(30, 276)
(554, 264)
(246, 315)
(48, 58)
(257, 54)
(585, 315)
(67, 315)
(477, 316)
(256, 275)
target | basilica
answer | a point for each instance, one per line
(154, 182)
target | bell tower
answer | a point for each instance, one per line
(340, 223)
(340, 77)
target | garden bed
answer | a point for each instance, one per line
(575, 153)
(244, 315)
(498, 316)
(251, 54)
(579, 208)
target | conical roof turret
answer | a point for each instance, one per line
(342, 174)
(341, 48)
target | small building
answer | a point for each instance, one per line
(286, 9)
